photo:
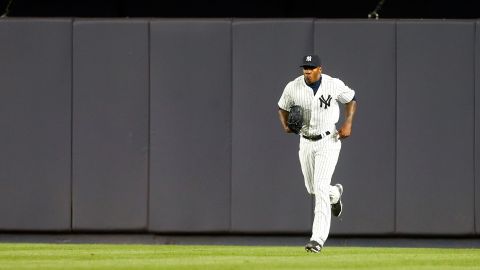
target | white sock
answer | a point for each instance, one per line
(334, 194)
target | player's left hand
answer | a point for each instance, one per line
(345, 131)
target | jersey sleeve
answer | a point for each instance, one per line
(345, 93)
(286, 100)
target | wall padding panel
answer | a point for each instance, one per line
(435, 124)
(268, 192)
(35, 112)
(362, 55)
(477, 127)
(191, 71)
(110, 125)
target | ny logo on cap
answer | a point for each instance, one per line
(308, 59)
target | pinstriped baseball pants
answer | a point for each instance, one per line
(318, 160)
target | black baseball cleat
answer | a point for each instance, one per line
(313, 246)
(337, 207)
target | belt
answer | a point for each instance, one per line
(316, 137)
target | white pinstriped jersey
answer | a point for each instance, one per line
(321, 111)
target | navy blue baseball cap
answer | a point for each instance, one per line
(311, 60)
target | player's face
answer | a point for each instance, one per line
(312, 74)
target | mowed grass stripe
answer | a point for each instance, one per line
(101, 256)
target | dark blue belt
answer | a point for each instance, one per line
(317, 137)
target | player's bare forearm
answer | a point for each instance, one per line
(346, 130)
(283, 115)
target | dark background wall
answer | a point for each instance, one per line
(191, 125)
(435, 102)
(170, 125)
(243, 8)
(110, 124)
(477, 126)
(35, 119)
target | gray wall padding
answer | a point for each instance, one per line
(191, 99)
(268, 192)
(477, 128)
(435, 129)
(362, 55)
(110, 125)
(35, 96)
(171, 125)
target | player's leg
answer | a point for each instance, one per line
(307, 164)
(326, 158)
(336, 192)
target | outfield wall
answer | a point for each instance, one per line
(171, 126)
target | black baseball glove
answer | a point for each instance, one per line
(295, 119)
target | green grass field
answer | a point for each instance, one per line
(88, 256)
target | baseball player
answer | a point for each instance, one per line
(317, 97)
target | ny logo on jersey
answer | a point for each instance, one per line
(308, 59)
(325, 101)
